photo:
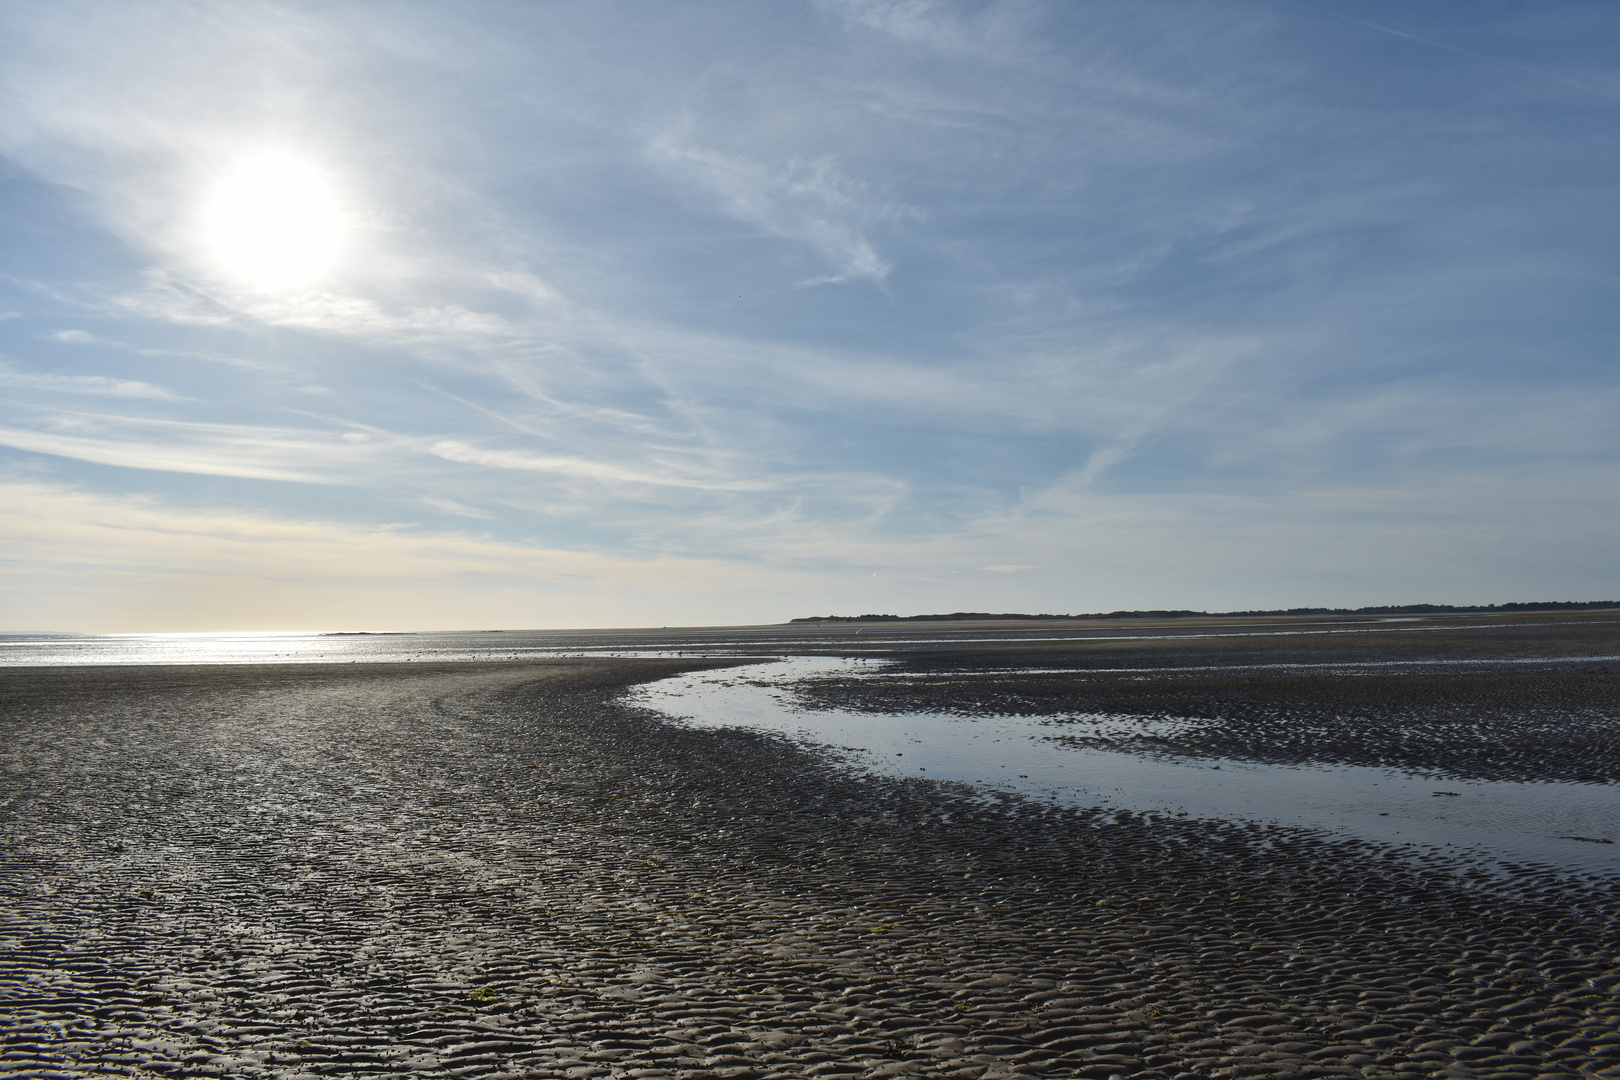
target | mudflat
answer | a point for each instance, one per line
(502, 869)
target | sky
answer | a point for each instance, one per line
(407, 315)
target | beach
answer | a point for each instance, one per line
(507, 868)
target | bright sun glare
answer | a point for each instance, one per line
(274, 222)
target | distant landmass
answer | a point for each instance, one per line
(1397, 609)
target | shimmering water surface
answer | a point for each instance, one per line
(1502, 820)
(318, 648)
(21, 649)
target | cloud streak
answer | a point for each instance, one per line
(85, 384)
(1392, 32)
(451, 450)
(811, 202)
(1010, 304)
(214, 450)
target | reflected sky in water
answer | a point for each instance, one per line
(1501, 820)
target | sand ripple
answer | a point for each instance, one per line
(288, 872)
(1557, 724)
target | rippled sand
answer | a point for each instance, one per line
(498, 870)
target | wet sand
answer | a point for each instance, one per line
(500, 869)
(1484, 698)
(1486, 725)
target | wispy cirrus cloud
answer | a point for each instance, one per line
(85, 384)
(110, 562)
(167, 298)
(808, 201)
(457, 509)
(233, 455)
(566, 465)
(1143, 302)
(945, 27)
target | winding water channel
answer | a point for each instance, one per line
(1556, 824)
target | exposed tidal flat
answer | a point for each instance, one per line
(515, 867)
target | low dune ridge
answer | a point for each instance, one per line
(501, 869)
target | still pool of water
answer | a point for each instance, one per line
(1505, 821)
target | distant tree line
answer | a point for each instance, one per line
(1388, 609)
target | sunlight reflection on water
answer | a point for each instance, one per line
(22, 649)
(19, 650)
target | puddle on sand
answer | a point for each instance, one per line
(1527, 822)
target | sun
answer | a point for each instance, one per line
(275, 221)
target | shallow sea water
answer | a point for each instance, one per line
(31, 649)
(22, 650)
(1499, 821)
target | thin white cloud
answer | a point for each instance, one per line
(463, 453)
(86, 384)
(146, 455)
(810, 201)
(1453, 48)
(114, 563)
(80, 337)
(167, 298)
(927, 23)
(79, 560)
(250, 451)
(1127, 261)
(451, 506)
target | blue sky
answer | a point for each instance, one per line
(422, 315)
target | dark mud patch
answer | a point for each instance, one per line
(1537, 725)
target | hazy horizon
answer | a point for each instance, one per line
(410, 316)
(1118, 617)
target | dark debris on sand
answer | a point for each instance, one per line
(499, 870)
